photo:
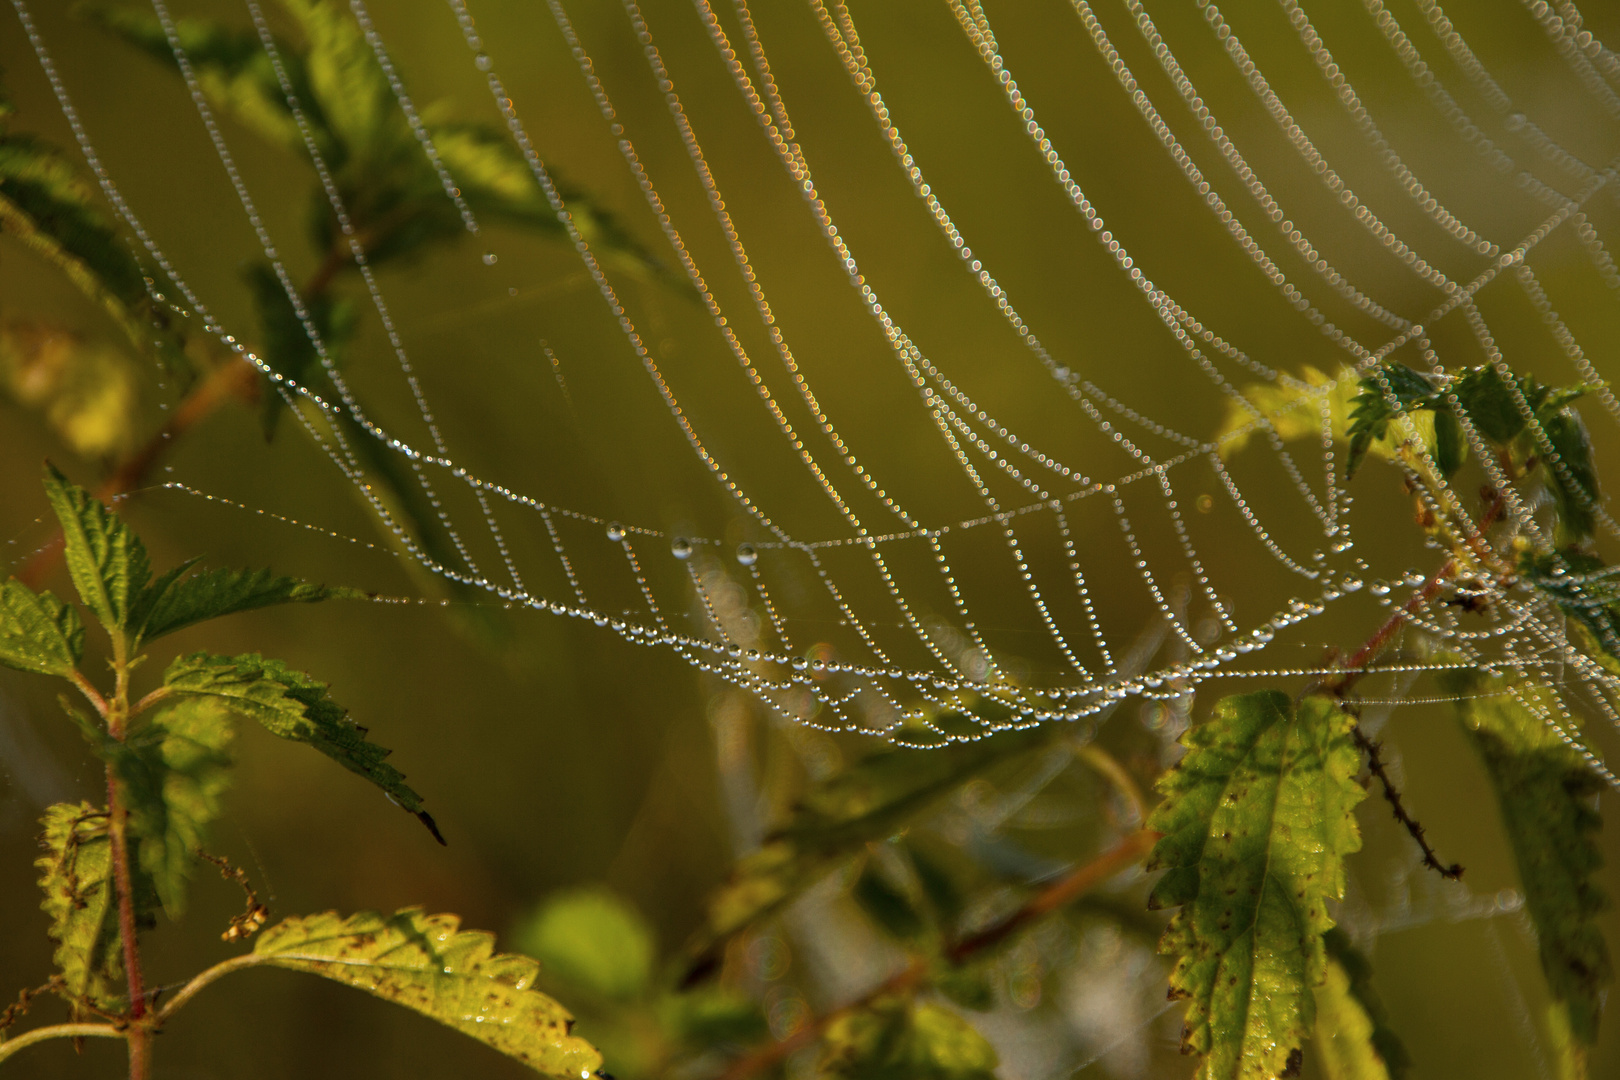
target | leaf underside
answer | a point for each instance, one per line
(427, 963)
(1257, 819)
(294, 706)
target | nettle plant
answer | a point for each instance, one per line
(1250, 838)
(108, 870)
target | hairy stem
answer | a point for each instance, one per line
(1128, 852)
(59, 1031)
(139, 1034)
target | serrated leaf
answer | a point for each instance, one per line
(915, 1041)
(1491, 404)
(174, 602)
(1374, 411)
(38, 632)
(105, 558)
(1257, 819)
(1353, 1037)
(1547, 796)
(591, 939)
(429, 964)
(76, 877)
(174, 770)
(868, 801)
(294, 706)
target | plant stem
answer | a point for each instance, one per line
(59, 1031)
(139, 1034)
(202, 979)
(1129, 851)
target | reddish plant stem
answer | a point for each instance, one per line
(1127, 852)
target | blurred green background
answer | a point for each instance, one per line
(552, 753)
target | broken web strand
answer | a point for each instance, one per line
(358, 253)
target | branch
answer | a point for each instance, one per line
(1375, 762)
(200, 981)
(59, 1031)
(1129, 851)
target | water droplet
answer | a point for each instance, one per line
(1516, 121)
(1380, 588)
(490, 258)
(800, 663)
(1351, 584)
(615, 532)
(483, 61)
(680, 547)
(1343, 545)
(747, 555)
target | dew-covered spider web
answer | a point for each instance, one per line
(950, 415)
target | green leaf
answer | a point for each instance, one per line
(1547, 796)
(712, 1016)
(1491, 404)
(231, 66)
(1257, 819)
(887, 905)
(1373, 410)
(870, 800)
(38, 632)
(105, 558)
(1573, 483)
(914, 1041)
(1353, 1037)
(174, 770)
(294, 706)
(174, 602)
(592, 940)
(288, 348)
(427, 963)
(76, 877)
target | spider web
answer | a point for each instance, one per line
(932, 542)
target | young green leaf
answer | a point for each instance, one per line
(1573, 481)
(1547, 796)
(915, 1041)
(174, 602)
(38, 632)
(76, 877)
(174, 770)
(429, 964)
(1374, 410)
(886, 905)
(592, 940)
(1257, 819)
(294, 706)
(105, 558)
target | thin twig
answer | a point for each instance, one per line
(1126, 853)
(59, 1031)
(1375, 762)
(25, 998)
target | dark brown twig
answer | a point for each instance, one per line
(25, 998)
(254, 916)
(1375, 763)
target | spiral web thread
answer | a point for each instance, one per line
(899, 665)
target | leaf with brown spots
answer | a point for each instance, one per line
(1257, 819)
(428, 963)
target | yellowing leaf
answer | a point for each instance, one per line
(429, 964)
(1296, 413)
(86, 392)
(915, 1041)
(38, 632)
(76, 877)
(1257, 819)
